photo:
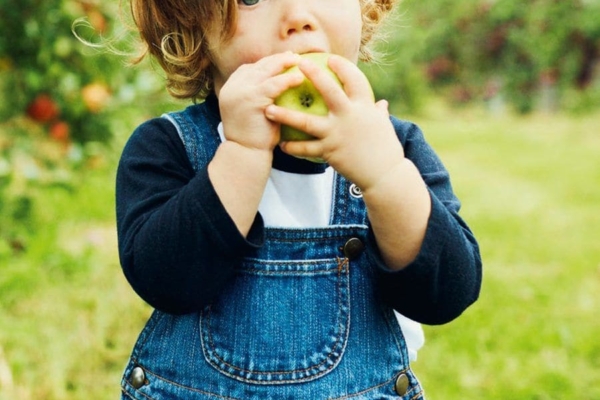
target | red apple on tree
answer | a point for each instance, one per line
(60, 131)
(43, 109)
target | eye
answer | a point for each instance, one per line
(248, 2)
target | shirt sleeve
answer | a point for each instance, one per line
(177, 244)
(445, 278)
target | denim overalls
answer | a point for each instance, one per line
(301, 319)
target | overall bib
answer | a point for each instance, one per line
(301, 319)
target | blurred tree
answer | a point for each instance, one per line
(532, 53)
(59, 99)
(49, 75)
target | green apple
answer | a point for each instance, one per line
(305, 98)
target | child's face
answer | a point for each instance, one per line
(275, 26)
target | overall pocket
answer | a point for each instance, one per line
(279, 322)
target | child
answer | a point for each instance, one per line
(274, 277)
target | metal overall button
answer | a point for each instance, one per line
(137, 377)
(355, 191)
(401, 385)
(353, 248)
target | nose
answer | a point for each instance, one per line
(297, 18)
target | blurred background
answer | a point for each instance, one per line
(506, 91)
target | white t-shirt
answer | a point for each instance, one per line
(286, 203)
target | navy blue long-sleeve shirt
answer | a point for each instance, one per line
(179, 247)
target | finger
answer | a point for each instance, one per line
(311, 124)
(267, 67)
(326, 83)
(275, 64)
(304, 149)
(277, 84)
(356, 84)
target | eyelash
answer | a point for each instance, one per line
(248, 2)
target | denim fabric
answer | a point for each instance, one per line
(299, 321)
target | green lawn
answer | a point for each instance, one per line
(530, 189)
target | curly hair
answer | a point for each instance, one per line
(177, 33)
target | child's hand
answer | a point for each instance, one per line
(356, 137)
(244, 96)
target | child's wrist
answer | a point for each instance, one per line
(245, 155)
(394, 175)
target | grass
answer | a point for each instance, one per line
(66, 314)
(530, 189)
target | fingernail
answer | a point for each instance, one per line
(269, 111)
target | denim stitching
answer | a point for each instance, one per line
(137, 392)
(340, 342)
(388, 382)
(125, 393)
(367, 390)
(147, 332)
(182, 387)
(342, 264)
(352, 230)
(341, 201)
(390, 321)
(350, 396)
(418, 395)
(273, 372)
(251, 268)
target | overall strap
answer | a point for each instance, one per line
(197, 128)
(348, 204)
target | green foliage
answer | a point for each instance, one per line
(61, 101)
(40, 56)
(539, 54)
